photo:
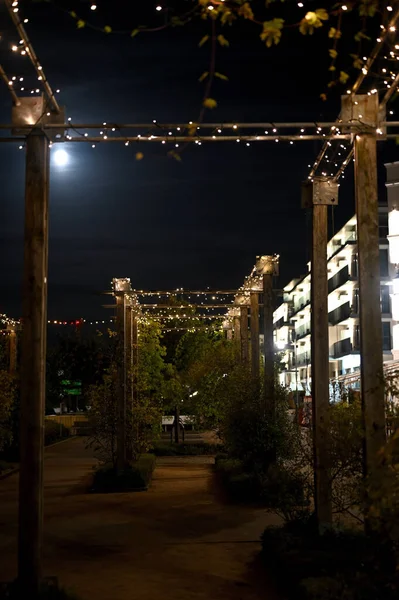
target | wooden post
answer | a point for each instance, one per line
(318, 195)
(267, 267)
(177, 417)
(237, 333)
(12, 349)
(366, 191)
(121, 381)
(129, 375)
(255, 353)
(33, 363)
(244, 334)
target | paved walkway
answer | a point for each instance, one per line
(177, 541)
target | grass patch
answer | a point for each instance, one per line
(201, 449)
(135, 477)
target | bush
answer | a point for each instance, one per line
(163, 449)
(240, 485)
(135, 477)
(54, 431)
(361, 565)
(50, 590)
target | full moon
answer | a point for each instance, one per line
(60, 158)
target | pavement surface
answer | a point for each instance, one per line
(179, 540)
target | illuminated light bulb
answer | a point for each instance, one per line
(300, 4)
(26, 20)
(384, 70)
(93, 145)
(39, 78)
(219, 131)
(276, 140)
(105, 137)
(158, 8)
(392, 28)
(378, 40)
(14, 48)
(210, 7)
(344, 7)
(237, 140)
(391, 112)
(40, 68)
(390, 8)
(127, 143)
(48, 114)
(22, 89)
(302, 130)
(348, 91)
(86, 134)
(274, 130)
(37, 91)
(69, 118)
(13, 78)
(104, 123)
(170, 133)
(93, 7)
(58, 91)
(292, 142)
(20, 147)
(163, 141)
(15, 10)
(101, 132)
(199, 143)
(23, 52)
(21, 78)
(176, 145)
(234, 126)
(178, 129)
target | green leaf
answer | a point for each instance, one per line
(175, 155)
(203, 40)
(343, 77)
(107, 29)
(222, 41)
(73, 14)
(204, 76)
(312, 21)
(368, 8)
(334, 33)
(80, 24)
(272, 30)
(209, 103)
(332, 68)
(134, 33)
(221, 76)
(333, 53)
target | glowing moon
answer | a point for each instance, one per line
(60, 158)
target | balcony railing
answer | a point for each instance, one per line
(338, 279)
(301, 303)
(342, 348)
(302, 360)
(302, 330)
(341, 313)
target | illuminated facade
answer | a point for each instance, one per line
(292, 317)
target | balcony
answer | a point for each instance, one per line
(338, 279)
(302, 360)
(341, 313)
(342, 348)
(302, 330)
(300, 303)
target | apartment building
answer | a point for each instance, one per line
(292, 317)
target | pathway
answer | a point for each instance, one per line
(178, 540)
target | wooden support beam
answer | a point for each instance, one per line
(121, 380)
(268, 342)
(255, 352)
(33, 363)
(244, 334)
(366, 191)
(317, 196)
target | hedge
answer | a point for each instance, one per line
(135, 477)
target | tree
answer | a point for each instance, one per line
(143, 418)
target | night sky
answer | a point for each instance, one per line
(163, 223)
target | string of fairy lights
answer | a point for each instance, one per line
(332, 160)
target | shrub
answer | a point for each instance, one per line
(54, 431)
(135, 477)
(239, 484)
(163, 449)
